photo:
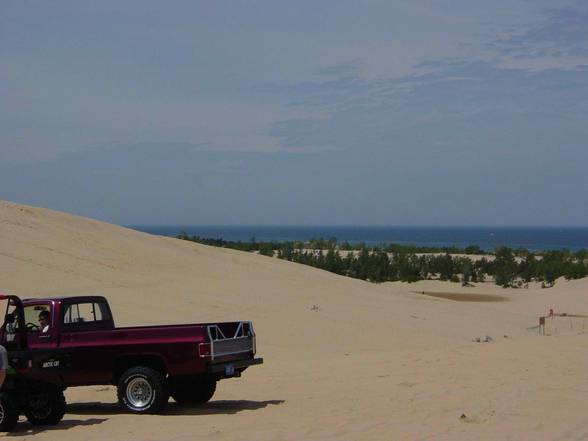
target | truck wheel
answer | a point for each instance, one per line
(142, 390)
(193, 389)
(8, 414)
(46, 408)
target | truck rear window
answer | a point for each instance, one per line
(85, 313)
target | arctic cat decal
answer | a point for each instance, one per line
(50, 364)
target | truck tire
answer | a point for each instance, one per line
(46, 408)
(193, 389)
(142, 390)
(8, 414)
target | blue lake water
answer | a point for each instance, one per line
(487, 238)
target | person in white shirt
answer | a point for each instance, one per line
(44, 321)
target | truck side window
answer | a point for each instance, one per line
(84, 313)
(31, 315)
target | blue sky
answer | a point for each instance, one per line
(323, 112)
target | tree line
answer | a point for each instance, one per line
(505, 266)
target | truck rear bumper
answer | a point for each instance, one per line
(234, 368)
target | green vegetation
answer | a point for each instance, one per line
(507, 267)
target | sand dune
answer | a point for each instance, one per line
(345, 359)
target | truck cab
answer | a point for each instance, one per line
(65, 317)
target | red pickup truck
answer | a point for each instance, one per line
(77, 344)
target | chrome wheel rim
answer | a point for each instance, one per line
(139, 392)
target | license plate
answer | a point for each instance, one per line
(229, 369)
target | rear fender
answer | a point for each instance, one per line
(154, 361)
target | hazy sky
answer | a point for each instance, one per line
(462, 112)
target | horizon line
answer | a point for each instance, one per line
(349, 226)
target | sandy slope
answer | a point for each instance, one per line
(345, 359)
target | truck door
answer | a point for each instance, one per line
(49, 363)
(85, 326)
